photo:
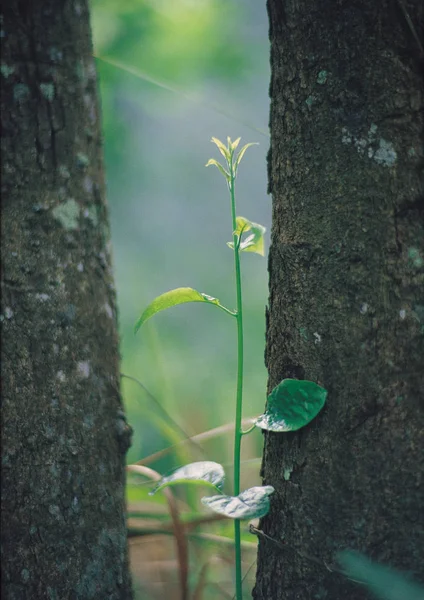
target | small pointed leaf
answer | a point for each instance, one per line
(386, 583)
(241, 154)
(222, 148)
(197, 473)
(173, 298)
(250, 504)
(214, 162)
(292, 404)
(233, 145)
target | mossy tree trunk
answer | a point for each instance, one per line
(346, 305)
(64, 435)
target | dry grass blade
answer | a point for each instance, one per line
(200, 437)
(165, 414)
(136, 529)
(172, 88)
(180, 538)
(223, 593)
(411, 26)
(220, 539)
(201, 582)
(246, 574)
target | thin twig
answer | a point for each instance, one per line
(201, 582)
(180, 538)
(287, 548)
(219, 539)
(200, 437)
(171, 88)
(246, 574)
(411, 26)
(170, 420)
(134, 530)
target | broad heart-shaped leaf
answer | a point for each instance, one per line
(203, 472)
(384, 582)
(250, 504)
(173, 298)
(292, 404)
(253, 242)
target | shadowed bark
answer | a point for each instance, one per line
(346, 304)
(64, 435)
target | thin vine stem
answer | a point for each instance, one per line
(238, 433)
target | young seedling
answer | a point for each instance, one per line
(291, 405)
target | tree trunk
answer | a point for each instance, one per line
(64, 433)
(346, 306)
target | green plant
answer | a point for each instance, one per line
(384, 582)
(291, 405)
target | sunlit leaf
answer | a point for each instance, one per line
(173, 298)
(197, 473)
(292, 404)
(241, 154)
(214, 162)
(233, 145)
(250, 504)
(253, 242)
(383, 581)
(222, 148)
(242, 225)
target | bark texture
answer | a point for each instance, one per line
(64, 435)
(346, 304)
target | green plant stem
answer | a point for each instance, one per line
(246, 431)
(227, 310)
(239, 398)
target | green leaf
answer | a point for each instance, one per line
(253, 242)
(222, 148)
(197, 473)
(173, 298)
(292, 404)
(233, 145)
(241, 154)
(383, 581)
(242, 225)
(214, 162)
(250, 504)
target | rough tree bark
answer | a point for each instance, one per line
(64, 434)
(346, 306)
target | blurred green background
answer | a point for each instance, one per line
(174, 73)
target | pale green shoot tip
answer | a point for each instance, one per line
(228, 153)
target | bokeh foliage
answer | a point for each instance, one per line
(173, 73)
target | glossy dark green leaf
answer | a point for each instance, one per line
(292, 404)
(250, 504)
(384, 582)
(197, 473)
